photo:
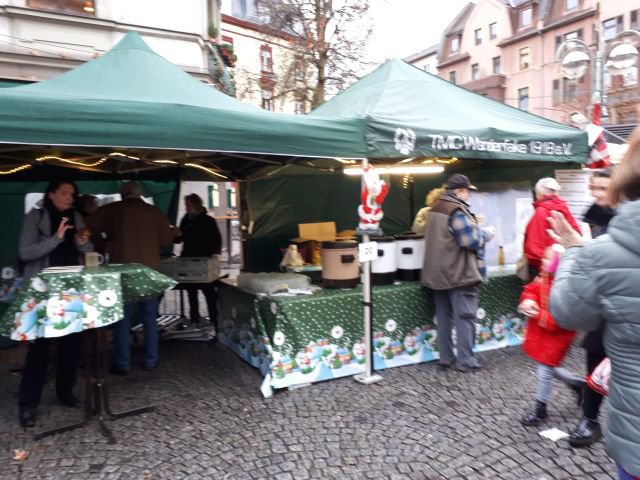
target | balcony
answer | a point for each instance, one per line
(492, 86)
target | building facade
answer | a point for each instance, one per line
(267, 73)
(426, 59)
(40, 39)
(506, 50)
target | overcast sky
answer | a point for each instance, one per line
(403, 27)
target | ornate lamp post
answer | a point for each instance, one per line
(621, 55)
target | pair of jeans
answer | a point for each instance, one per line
(545, 375)
(457, 307)
(148, 312)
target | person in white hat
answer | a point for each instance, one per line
(536, 238)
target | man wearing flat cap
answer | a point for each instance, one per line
(536, 238)
(454, 269)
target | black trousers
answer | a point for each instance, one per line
(210, 296)
(34, 375)
(592, 399)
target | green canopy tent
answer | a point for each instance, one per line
(131, 98)
(411, 113)
(410, 117)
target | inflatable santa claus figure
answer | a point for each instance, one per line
(374, 191)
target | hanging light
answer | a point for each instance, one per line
(399, 170)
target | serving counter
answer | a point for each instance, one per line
(296, 340)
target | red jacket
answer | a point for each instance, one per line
(536, 238)
(544, 340)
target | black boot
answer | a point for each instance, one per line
(535, 416)
(27, 417)
(586, 433)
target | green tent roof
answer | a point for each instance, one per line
(411, 113)
(132, 97)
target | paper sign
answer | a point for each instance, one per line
(554, 434)
(575, 190)
(367, 251)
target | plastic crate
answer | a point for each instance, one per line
(191, 269)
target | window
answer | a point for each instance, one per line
(630, 78)
(452, 77)
(267, 100)
(526, 17)
(525, 58)
(633, 20)
(299, 107)
(575, 34)
(299, 70)
(213, 197)
(427, 68)
(556, 92)
(497, 67)
(478, 35)
(475, 71)
(493, 30)
(572, 4)
(266, 61)
(523, 99)
(74, 7)
(611, 27)
(568, 89)
(455, 45)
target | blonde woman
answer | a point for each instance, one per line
(421, 217)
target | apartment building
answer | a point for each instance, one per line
(40, 39)
(267, 73)
(506, 50)
(426, 59)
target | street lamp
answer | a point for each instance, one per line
(621, 57)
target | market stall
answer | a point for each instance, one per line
(310, 338)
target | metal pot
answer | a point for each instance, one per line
(410, 255)
(383, 268)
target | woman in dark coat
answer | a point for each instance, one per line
(201, 237)
(588, 431)
(54, 235)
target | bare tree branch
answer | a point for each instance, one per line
(328, 40)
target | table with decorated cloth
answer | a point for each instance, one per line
(57, 302)
(61, 301)
(296, 340)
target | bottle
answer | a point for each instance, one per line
(501, 255)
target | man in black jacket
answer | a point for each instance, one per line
(598, 216)
(201, 237)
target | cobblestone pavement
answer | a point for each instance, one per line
(211, 422)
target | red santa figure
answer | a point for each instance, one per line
(374, 191)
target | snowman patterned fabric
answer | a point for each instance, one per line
(312, 338)
(61, 303)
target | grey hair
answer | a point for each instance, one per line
(130, 190)
(546, 186)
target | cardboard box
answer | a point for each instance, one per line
(321, 232)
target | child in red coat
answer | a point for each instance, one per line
(546, 342)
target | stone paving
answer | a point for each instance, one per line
(211, 422)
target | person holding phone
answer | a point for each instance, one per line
(54, 235)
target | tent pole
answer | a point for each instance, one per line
(368, 376)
